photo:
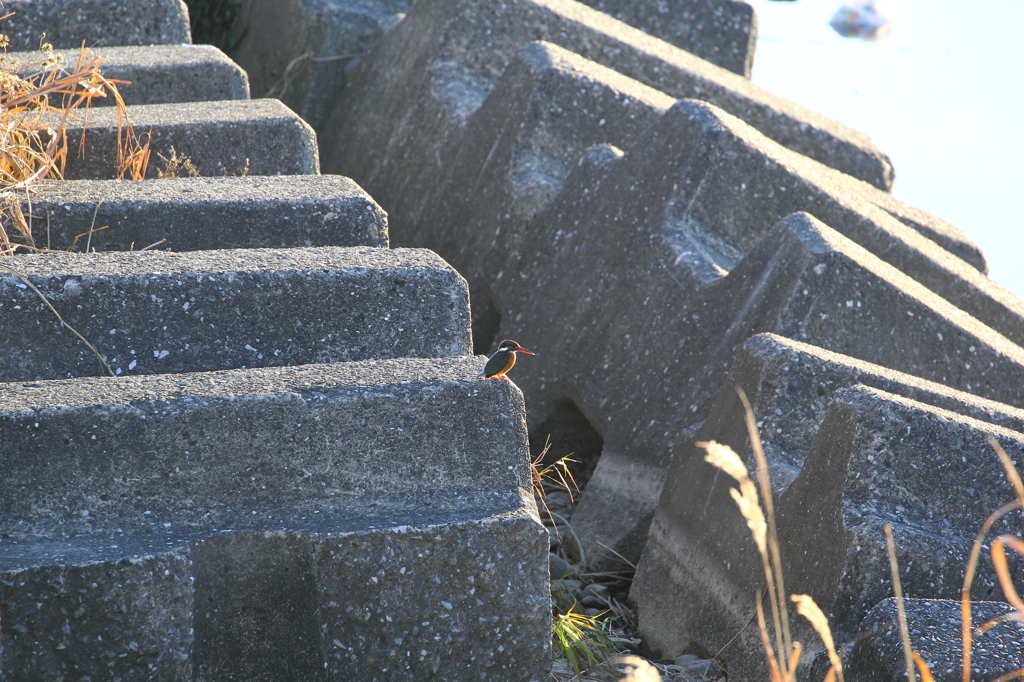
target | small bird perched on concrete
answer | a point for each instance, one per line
(503, 360)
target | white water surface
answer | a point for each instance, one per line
(942, 95)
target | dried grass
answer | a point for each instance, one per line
(37, 101)
(783, 654)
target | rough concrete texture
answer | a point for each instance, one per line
(935, 634)
(297, 50)
(312, 522)
(731, 183)
(159, 312)
(99, 615)
(724, 32)
(517, 149)
(467, 599)
(642, 345)
(69, 23)
(158, 74)
(234, 137)
(876, 459)
(790, 385)
(384, 596)
(417, 84)
(207, 213)
(717, 185)
(546, 109)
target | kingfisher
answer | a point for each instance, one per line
(503, 360)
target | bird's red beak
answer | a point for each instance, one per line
(523, 350)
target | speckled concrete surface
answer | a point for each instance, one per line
(157, 312)
(208, 213)
(233, 137)
(935, 634)
(158, 74)
(69, 23)
(373, 520)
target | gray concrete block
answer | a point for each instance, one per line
(642, 345)
(724, 32)
(69, 23)
(338, 515)
(102, 614)
(298, 50)
(716, 184)
(438, 65)
(207, 213)
(935, 633)
(516, 152)
(235, 137)
(389, 597)
(445, 602)
(196, 451)
(159, 312)
(158, 74)
(877, 458)
(790, 385)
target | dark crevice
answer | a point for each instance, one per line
(570, 434)
(486, 323)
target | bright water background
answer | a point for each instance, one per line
(942, 95)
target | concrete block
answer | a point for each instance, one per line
(515, 154)
(728, 164)
(641, 346)
(207, 213)
(877, 458)
(84, 610)
(714, 184)
(906, 479)
(431, 597)
(516, 150)
(310, 522)
(69, 23)
(159, 74)
(935, 633)
(791, 387)
(235, 137)
(298, 50)
(473, 600)
(724, 32)
(417, 84)
(159, 312)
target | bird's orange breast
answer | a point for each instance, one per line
(507, 367)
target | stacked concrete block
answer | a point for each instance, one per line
(233, 137)
(410, 95)
(67, 24)
(844, 459)
(298, 50)
(647, 369)
(188, 214)
(642, 344)
(934, 626)
(234, 508)
(351, 520)
(516, 151)
(155, 313)
(724, 32)
(157, 74)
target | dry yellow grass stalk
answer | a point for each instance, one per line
(35, 110)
